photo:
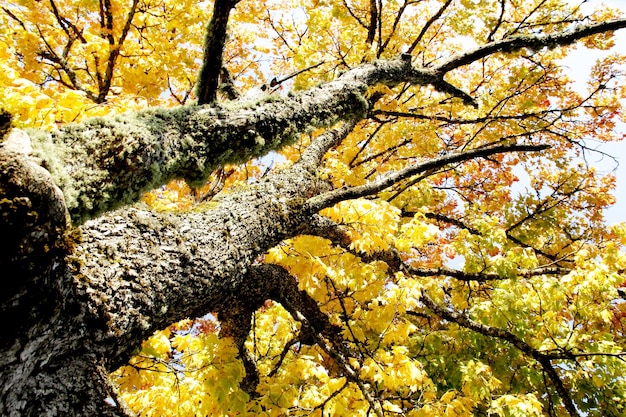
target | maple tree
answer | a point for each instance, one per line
(384, 259)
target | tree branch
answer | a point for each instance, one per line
(338, 355)
(313, 154)
(74, 81)
(427, 26)
(482, 276)
(185, 264)
(337, 234)
(236, 322)
(461, 225)
(455, 222)
(371, 27)
(323, 227)
(543, 358)
(534, 42)
(66, 25)
(103, 164)
(499, 22)
(271, 282)
(322, 201)
(277, 81)
(214, 41)
(115, 47)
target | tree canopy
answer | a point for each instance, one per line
(355, 207)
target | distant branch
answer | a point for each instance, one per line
(477, 120)
(274, 282)
(619, 355)
(371, 29)
(458, 223)
(455, 222)
(66, 25)
(340, 358)
(74, 80)
(499, 22)
(482, 276)
(382, 46)
(277, 81)
(214, 41)
(14, 17)
(115, 45)
(271, 282)
(354, 15)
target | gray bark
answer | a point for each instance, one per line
(86, 277)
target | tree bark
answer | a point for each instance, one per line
(82, 308)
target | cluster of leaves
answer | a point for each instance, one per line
(460, 292)
(176, 369)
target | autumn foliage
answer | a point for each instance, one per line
(490, 287)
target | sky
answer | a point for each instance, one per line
(579, 63)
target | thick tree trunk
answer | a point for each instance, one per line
(80, 309)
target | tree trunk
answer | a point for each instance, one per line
(82, 300)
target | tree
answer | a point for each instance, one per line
(388, 266)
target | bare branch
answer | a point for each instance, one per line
(342, 361)
(484, 277)
(455, 222)
(277, 81)
(458, 223)
(371, 28)
(499, 22)
(274, 282)
(66, 25)
(383, 45)
(14, 17)
(115, 45)
(338, 235)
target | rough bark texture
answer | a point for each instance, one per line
(89, 303)
(78, 300)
